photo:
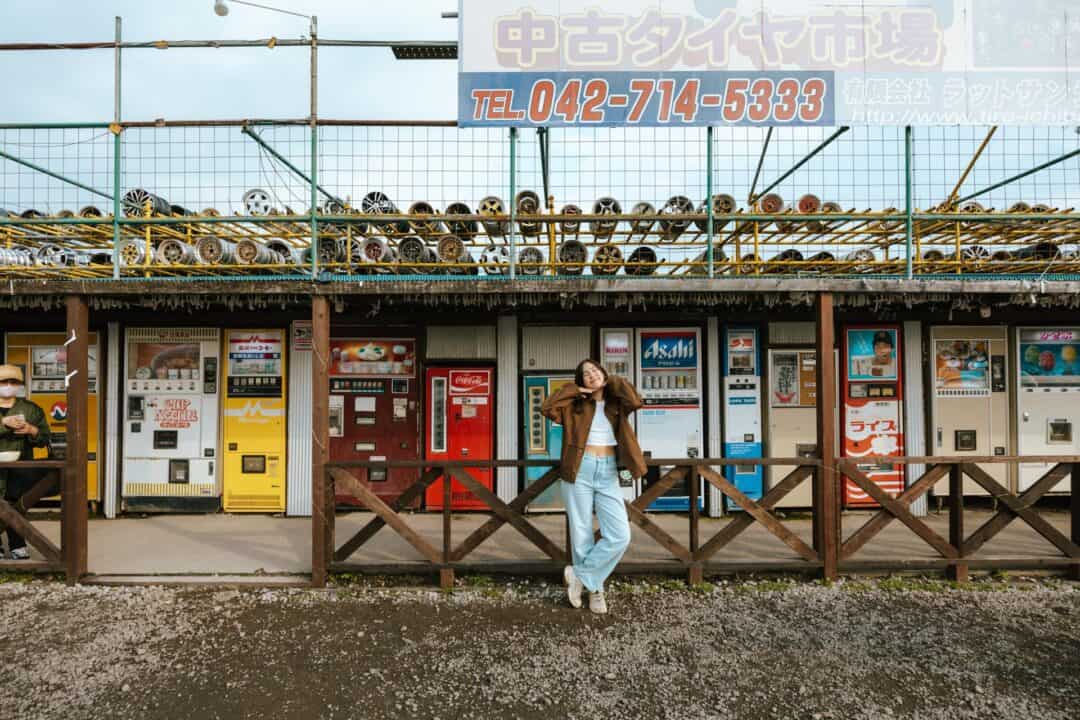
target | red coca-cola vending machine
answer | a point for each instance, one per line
(374, 413)
(872, 393)
(460, 426)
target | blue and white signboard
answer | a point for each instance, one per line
(768, 62)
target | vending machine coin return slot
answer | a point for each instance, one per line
(179, 472)
(1058, 430)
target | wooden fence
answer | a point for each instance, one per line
(70, 557)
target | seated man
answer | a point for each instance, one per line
(22, 428)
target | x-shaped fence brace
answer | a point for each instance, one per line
(11, 517)
(1013, 506)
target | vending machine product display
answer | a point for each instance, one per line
(618, 358)
(970, 402)
(43, 358)
(872, 407)
(460, 426)
(668, 365)
(170, 420)
(374, 413)
(543, 438)
(1048, 399)
(742, 410)
(253, 421)
(793, 415)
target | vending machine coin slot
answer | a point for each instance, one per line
(165, 439)
(178, 472)
(136, 409)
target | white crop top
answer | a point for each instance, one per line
(600, 432)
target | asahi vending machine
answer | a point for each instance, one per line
(543, 438)
(461, 426)
(253, 420)
(43, 358)
(1048, 399)
(374, 413)
(171, 420)
(872, 407)
(669, 425)
(970, 403)
(742, 409)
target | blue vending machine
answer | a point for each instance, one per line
(742, 409)
(543, 438)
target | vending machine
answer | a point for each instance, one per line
(253, 421)
(742, 409)
(171, 420)
(460, 426)
(618, 358)
(792, 415)
(1048, 399)
(543, 438)
(872, 407)
(969, 407)
(43, 358)
(668, 365)
(374, 412)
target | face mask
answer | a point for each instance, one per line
(8, 391)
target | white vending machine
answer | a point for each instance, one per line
(170, 416)
(669, 425)
(1048, 398)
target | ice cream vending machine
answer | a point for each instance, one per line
(253, 421)
(543, 438)
(669, 425)
(374, 413)
(970, 403)
(43, 358)
(170, 418)
(460, 426)
(872, 409)
(1048, 399)
(742, 410)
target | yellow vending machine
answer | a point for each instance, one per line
(43, 358)
(253, 418)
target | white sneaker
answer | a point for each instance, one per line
(20, 554)
(597, 603)
(574, 587)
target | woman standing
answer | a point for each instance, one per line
(598, 445)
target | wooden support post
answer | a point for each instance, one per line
(826, 480)
(322, 497)
(695, 575)
(73, 491)
(1074, 506)
(446, 573)
(959, 571)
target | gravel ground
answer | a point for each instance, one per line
(514, 649)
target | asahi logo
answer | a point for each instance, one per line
(678, 350)
(470, 383)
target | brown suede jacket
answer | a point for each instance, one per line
(567, 408)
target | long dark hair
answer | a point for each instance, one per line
(579, 371)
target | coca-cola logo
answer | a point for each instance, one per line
(470, 383)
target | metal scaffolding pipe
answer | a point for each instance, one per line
(270, 42)
(1022, 175)
(300, 174)
(761, 161)
(56, 175)
(806, 158)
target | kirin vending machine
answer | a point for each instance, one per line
(670, 422)
(793, 415)
(543, 438)
(970, 404)
(460, 426)
(872, 408)
(253, 421)
(374, 413)
(618, 358)
(171, 420)
(1048, 400)
(742, 410)
(43, 358)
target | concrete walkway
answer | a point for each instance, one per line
(256, 544)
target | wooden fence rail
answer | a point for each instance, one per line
(70, 556)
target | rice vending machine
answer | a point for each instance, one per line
(742, 410)
(669, 424)
(171, 420)
(461, 426)
(43, 358)
(253, 420)
(374, 413)
(872, 408)
(1048, 399)
(543, 438)
(970, 403)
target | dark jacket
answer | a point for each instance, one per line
(567, 408)
(24, 443)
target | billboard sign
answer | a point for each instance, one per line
(529, 63)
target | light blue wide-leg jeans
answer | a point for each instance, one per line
(596, 488)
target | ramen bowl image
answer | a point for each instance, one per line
(370, 353)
